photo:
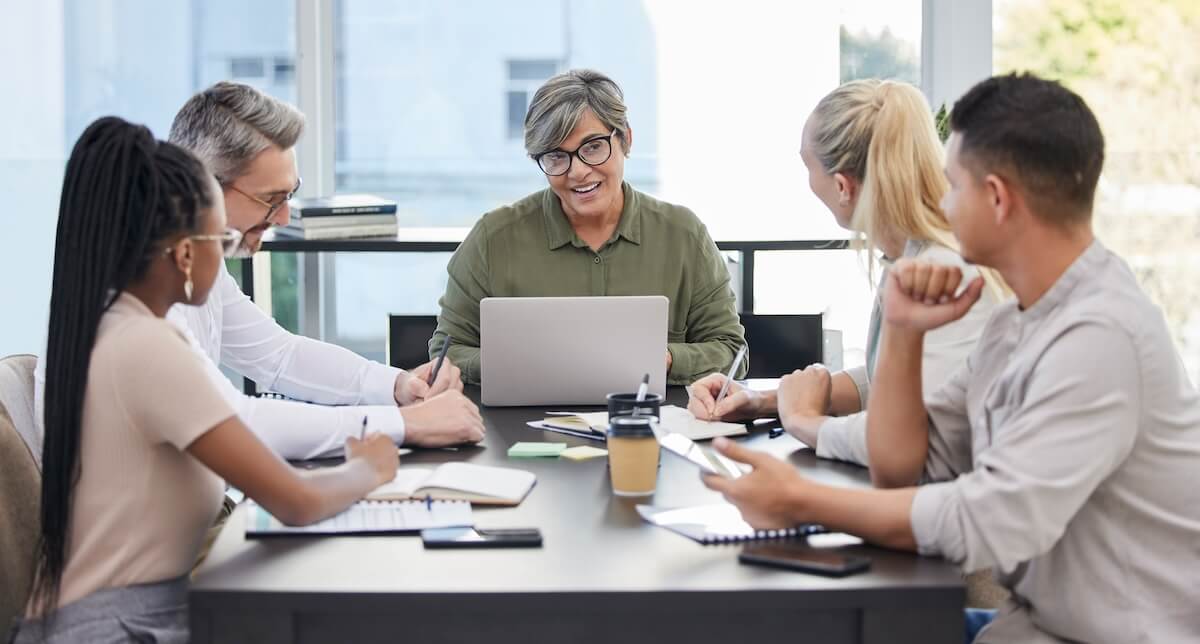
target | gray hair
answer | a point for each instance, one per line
(229, 124)
(558, 105)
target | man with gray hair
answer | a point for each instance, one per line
(247, 139)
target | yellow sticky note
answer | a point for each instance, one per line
(583, 452)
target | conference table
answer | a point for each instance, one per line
(602, 575)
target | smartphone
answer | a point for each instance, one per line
(478, 538)
(804, 558)
(706, 459)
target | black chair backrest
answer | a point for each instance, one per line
(780, 344)
(408, 339)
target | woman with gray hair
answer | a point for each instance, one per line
(590, 233)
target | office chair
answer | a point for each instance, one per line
(408, 339)
(780, 344)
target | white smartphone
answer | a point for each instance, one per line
(706, 459)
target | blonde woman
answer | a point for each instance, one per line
(874, 159)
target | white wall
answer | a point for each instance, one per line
(31, 164)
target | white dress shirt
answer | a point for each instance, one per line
(230, 329)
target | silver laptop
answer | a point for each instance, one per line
(570, 350)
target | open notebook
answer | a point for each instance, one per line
(365, 518)
(478, 484)
(719, 523)
(673, 419)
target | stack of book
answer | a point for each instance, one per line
(341, 217)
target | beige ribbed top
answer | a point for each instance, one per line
(142, 504)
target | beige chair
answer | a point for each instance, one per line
(20, 486)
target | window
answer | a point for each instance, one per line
(881, 40)
(524, 78)
(285, 71)
(244, 69)
(1134, 63)
(82, 59)
(421, 85)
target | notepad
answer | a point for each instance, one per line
(536, 450)
(715, 524)
(478, 484)
(366, 518)
(672, 419)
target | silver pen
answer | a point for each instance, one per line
(737, 360)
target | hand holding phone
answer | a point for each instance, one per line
(706, 459)
(479, 538)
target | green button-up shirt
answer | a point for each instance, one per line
(529, 249)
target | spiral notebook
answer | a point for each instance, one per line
(366, 518)
(715, 524)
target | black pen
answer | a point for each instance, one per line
(363, 433)
(441, 357)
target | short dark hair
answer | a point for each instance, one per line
(1043, 134)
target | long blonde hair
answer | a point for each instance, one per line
(882, 133)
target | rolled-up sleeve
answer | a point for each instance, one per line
(1049, 452)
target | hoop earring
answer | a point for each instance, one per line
(188, 286)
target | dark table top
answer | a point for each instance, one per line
(594, 542)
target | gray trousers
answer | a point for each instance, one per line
(144, 613)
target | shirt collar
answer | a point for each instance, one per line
(1086, 264)
(559, 232)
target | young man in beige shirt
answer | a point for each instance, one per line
(1085, 431)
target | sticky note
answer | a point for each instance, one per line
(583, 452)
(536, 450)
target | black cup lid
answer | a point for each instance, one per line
(632, 426)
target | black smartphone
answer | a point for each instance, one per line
(801, 557)
(478, 538)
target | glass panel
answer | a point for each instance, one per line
(444, 145)
(531, 70)
(715, 128)
(82, 59)
(881, 40)
(1135, 64)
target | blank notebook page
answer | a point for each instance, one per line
(500, 482)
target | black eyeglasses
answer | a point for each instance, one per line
(272, 206)
(593, 152)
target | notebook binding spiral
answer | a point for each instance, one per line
(767, 535)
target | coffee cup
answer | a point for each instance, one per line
(632, 455)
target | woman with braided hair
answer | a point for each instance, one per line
(138, 441)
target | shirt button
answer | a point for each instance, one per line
(596, 260)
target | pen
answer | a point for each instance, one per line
(642, 388)
(363, 432)
(441, 357)
(737, 360)
(775, 432)
(428, 503)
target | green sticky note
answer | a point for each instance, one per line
(536, 450)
